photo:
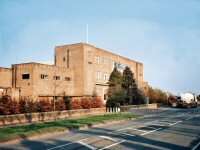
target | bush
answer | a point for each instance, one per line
(67, 102)
(112, 103)
(60, 105)
(14, 107)
(22, 106)
(75, 104)
(86, 103)
(27, 106)
(44, 106)
(4, 105)
(97, 103)
(31, 106)
(8, 106)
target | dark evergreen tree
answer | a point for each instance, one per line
(115, 78)
(115, 91)
(129, 85)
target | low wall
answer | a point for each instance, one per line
(48, 116)
(134, 107)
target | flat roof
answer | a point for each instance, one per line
(76, 44)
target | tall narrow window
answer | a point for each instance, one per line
(67, 58)
(55, 59)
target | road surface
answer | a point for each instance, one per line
(166, 128)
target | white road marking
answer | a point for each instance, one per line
(195, 148)
(120, 129)
(189, 118)
(167, 120)
(158, 124)
(175, 123)
(112, 145)
(162, 122)
(151, 127)
(139, 130)
(151, 122)
(108, 138)
(86, 145)
(171, 117)
(150, 131)
(124, 133)
(65, 144)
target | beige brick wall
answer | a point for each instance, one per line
(36, 87)
(83, 61)
(76, 61)
(95, 86)
(75, 64)
(49, 87)
(25, 85)
(5, 77)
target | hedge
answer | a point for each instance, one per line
(10, 106)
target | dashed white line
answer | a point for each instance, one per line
(175, 123)
(189, 118)
(125, 133)
(65, 144)
(195, 148)
(139, 130)
(120, 129)
(150, 131)
(165, 123)
(151, 127)
(158, 124)
(151, 122)
(112, 145)
(108, 138)
(86, 145)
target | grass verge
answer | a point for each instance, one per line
(11, 133)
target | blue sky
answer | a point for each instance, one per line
(163, 34)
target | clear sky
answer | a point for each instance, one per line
(162, 34)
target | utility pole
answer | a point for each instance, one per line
(87, 33)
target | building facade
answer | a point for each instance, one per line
(79, 70)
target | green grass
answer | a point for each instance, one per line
(10, 133)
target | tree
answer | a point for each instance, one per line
(129, 86)
(116, 94)
(157, 96)
(114, 83)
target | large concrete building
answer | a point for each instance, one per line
(79, 70)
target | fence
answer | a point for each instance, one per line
(134, 107)
(113, 109)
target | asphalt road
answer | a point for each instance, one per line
(166, 128)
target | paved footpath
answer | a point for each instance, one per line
(167, 128)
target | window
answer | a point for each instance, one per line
(44, 77)
(106, 61)
(25, 76)
(56, 77)
(67, 58)
(106, 77)
(64, 59)
(99, 75)
(67, 78)
(105, 97)
(55, 59)
(98, 59)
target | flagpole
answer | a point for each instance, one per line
(87, 33)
